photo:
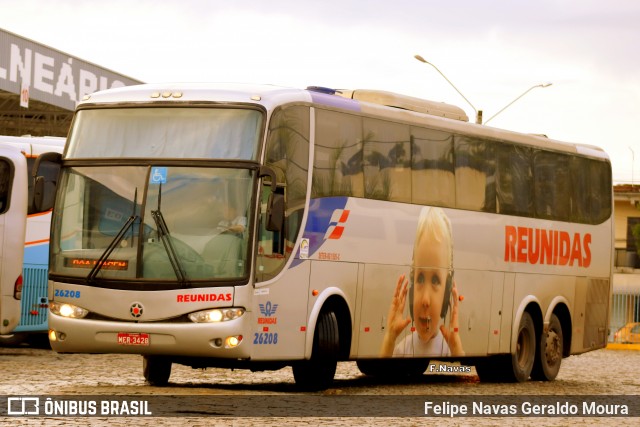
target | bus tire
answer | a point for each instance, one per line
(371, 367)
(12, 340)
(514, 367)
(156, 370)
(549, 354)
(491, 369)
(523, 358)
(317, 373)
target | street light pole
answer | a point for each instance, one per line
(525, 92)
(478, 112)
(632, 164)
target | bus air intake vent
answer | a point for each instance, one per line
(404, 102)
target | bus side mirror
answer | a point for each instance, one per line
(275, 212)
(38, 195)
(44, 189)
(275, 205)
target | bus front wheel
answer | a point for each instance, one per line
(12, 340)
(156, 370)
(317, 373)
(549, 354)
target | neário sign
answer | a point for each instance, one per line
(49, 75)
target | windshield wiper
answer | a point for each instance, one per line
(115, 242)
(165, 236)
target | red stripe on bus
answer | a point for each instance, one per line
(35, 242)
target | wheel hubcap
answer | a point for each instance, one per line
(552, 347)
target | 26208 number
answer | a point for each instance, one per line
(66, 293)
(265, 338)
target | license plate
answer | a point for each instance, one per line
(133, 339)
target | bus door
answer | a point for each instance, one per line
(35, 270)
(13, 215)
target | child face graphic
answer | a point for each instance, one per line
(429, 281)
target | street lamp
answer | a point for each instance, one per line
(525, 92)
(478, 112)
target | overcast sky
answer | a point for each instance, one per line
(491, 50)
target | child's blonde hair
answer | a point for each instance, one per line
(433, 221)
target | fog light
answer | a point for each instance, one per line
(56, 336)
(233, 341)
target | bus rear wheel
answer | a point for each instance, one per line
(156, 370)
(317, 373)
(549, 354)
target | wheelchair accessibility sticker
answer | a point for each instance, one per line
(158, 175)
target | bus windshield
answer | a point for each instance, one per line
(208, 133)
(169, 223)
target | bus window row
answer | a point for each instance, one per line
(364, 157)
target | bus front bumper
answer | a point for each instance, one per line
(228, 339)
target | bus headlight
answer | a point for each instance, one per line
(67, 310)
(216, 315)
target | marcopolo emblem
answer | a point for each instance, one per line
(136, 309)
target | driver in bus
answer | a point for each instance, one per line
(232, 222)
(430, 288)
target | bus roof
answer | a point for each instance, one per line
(33, 145)
(267, 95)
(380, 104)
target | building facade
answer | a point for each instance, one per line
(625, 306)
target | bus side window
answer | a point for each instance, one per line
(475, 174)
(514, 181)
(552, 195)
(287, 154)
(432, 169)
(580, 195)
(5, 184)
(599, 189)
(338, 158)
